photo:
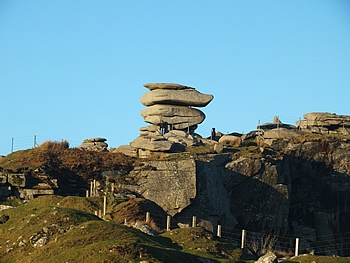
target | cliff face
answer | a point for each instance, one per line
(291, 189)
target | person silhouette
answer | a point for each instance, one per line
(213, 134)
(163, 127)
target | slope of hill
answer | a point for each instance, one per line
(52, 229)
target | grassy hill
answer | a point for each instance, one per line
(63, 229)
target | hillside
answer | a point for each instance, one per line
(56, 229)
(290, 185)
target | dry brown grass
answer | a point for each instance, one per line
(54, 145)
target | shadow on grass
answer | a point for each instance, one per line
(172, 255)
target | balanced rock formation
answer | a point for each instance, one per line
(172, 103)
(173, 106)
(325, 122)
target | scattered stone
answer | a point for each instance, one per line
(181, 225)
(4, 218)
(231, 140)
(22, 243)
(269, 257)
(218, 148)
(145, 229)
(41, 242)
(3, 207)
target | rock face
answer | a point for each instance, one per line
(170, 184)
(324, 122)
(293, 189)
(177, 185)
(172, 105)
(26, 185)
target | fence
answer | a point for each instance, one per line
(254, 242)
(260, 243)
(22, 143)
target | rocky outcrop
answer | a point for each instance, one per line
(324, 122)
(25, 185)
(298, 189)
(171, 106)
(94, 144)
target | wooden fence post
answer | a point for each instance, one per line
(194, 221)
(296, 247)
(168, 218)
(104, 205)
(219, 231)
(95, 192)
(243, 239)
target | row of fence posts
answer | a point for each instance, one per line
(102, 214)
(218, 233)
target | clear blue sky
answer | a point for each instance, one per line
(75, 69)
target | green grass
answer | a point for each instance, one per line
(319, 259)
(77, 235)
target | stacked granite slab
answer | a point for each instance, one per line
(325, 122)
(175, 105)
